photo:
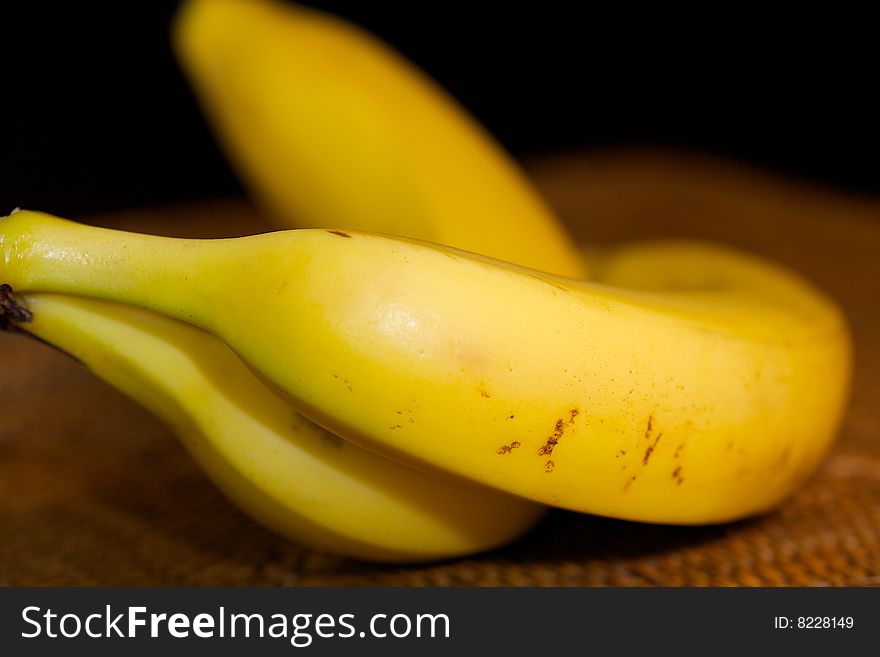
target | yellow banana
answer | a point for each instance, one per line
(329, 127)
(384, 524)
(286, 472)
(704, 392)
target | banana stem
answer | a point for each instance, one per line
(11, 313)
(43, 253)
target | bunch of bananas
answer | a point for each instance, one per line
(428, 362)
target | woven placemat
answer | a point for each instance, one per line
(95, 491)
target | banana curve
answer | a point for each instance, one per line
(284, 471)
(689, 406)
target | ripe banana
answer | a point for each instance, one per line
(291, 475)
(703, 391)
(391, 519)
(330, 127)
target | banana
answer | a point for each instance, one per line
(289, 474)
(690, 384)
(391, 518)
(330, 127)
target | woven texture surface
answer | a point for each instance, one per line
(95, 491)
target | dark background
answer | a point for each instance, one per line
(95, 113)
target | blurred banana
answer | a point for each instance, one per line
(331, 128)
(285, 471)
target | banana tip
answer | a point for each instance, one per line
(11, 311)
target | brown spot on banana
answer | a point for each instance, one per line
(507, 449)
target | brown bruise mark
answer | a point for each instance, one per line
(648, 431)
(620, 453)
(547, 448)
(484, 393)
(651, 448)
(678, 451)
(510, 417)
(548, 467)
(676, 474)
(629, 483)
(340, 233)
(507, 449)
(396, 426)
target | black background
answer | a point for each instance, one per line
(96, 115)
